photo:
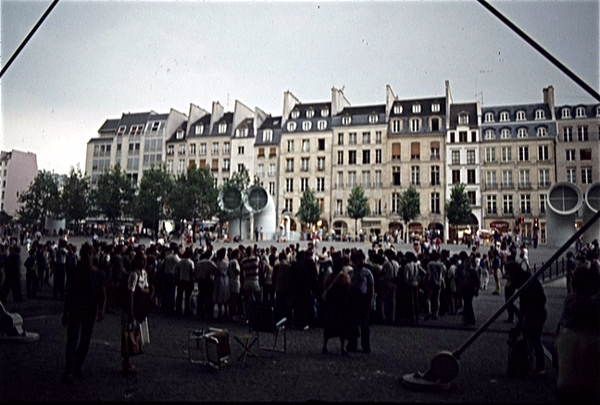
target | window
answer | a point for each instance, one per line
(523, 153)
(310, 113)
(396, 197)
(396, 176)
(435, 203)
(366, 138)
(435, 151)
(435, 107)
(568, 134)
(290, 146)
(473, 136)
(542, 203)
(507, 204)
(268, 135)
(490, 154)
(339, 207)
(580, 112)
(321, 164)
(202, 149)
(352, 138)
(490, 179)
(504, 133)
(489, 134)
(463, 119)
(455, 157)
(521, 115)
(134, 148)
(396, 125)
(121, 130)
(181, 167)
(240, 150)
(272, 170)
(289, 165)
(435, 124)
(435, 175)
(585, 154)
(416, 108)
(136, 130)
(226, 165)
(351, 179)
(396, 149)
(378, 137)
(462, 136)
(415, 125)
(366, 157)
(378, 182)
(340, 180)
(288, 205)
(306, 145)
(304, 164)
(471, 176)
(378, 156)
(544, 180)
(415, 150)
(289, 185)
(306, 125)
(398, 109)
(170, 150)
(178, 135)
(489, 117)
(492, 207)
(472, 197)
(291, 126)
(542, 131)
(272, 188)
(169, 166)
(192, 149)
(240, 167)
(295, 114)
(540, 115)
(240, 132)
(352, 157)
(226, 148)
(324, 112)
(522, 133)
(261, 152)
(565, 113)
(415, 172)
(586, 175)
(215, 148)
(571, 174)
(373, 118)
(321, 125)
(346, 120)
(470, 157)
(455, 176)
(570, 155)
(525, 204)
(507, 178)
(366, 179)
(524, 178)
(340, 138)
(340, 157)
(543, 152)
(582, 133)
(303, 184)
(504, 116)
(222, 128)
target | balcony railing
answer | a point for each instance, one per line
(508, 185)
(491, 186)
(545, 184)
(525, 185)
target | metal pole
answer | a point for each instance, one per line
(529, 281)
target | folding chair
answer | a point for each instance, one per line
(217, 348)
(261, 317)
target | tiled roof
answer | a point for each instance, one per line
(464, 108)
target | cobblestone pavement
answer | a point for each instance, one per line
(32, 372)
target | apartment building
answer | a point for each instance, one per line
(17, 172)
(518, 167)
(268, 138)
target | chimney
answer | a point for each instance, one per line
(338, 101)
(289, 102)
(549, 100)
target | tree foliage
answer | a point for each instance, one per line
(40, 200)
(310, 210)
(410, 206)
(458, 209)
(75, 197)
(114, 195)
(153, 193)
(194, 195)
(358, 205)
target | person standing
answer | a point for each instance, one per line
(12, 269)
(60, 268)
(496, 264)
(388, 287)
(169, 283)
(469, 288)
(234, 271)
(283, 288)
(250, 269)
(337, 311)
(31, 275)
(411, 279)
(85, 304)
(184, 274)
(436, 272)
(221, 289)
(571, 265)
(362, 298)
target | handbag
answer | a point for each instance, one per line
(131, 342)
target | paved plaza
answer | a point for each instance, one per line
(32, 372)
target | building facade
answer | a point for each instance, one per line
(17, 172)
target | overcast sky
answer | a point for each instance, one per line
(91, 61)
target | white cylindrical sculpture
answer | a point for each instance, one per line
(591, 205)
(564, 200)
(260, 203)
(232, 200)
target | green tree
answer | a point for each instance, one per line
(114, 195)
(40, 200)
(458, 209)
(151, 199)
(358, 205)
(75, 197)
(194, 195)
(409, 207)
(310, 210)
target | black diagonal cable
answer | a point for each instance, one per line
(28, 37)
(541, 50)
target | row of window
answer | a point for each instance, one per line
(582, 134)
(306, 125)
(310, 113)
(353, 138)
(202, 151)
(508, 205)
(565, 112)
(304, 184)
(416, 108)
(504, 116)
(136, 130)
(305, 145)
(506, 154)
(506, 133)
(415, 124)
(347, 119)
(491, 179)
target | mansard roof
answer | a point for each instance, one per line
(406, 107)
(273, 124)
(227, 118)
(205, 122)
(470, 109)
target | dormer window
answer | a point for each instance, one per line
(504, 116)
(199, 129)
(240, 132)
(580, 112)
(416, 108)
(540, 115)
(324, 112)
(520, 115)
(396, 126)
(346, 120)
(179, 134)
(505, 133)
(155, 126)
(542, 132)
(565, 113)
(463, 119)
(222, 128)
(295, 114)
(121, 130)
(397, 109)
(136, 130)
(291, 126)
(489, 117)
(268, 135)
(489, 134)
(310, 113)
(522, 133)
(322, 124)
(435, 107)
(306, 125)
(373, 118)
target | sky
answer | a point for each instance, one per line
(94, 60)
